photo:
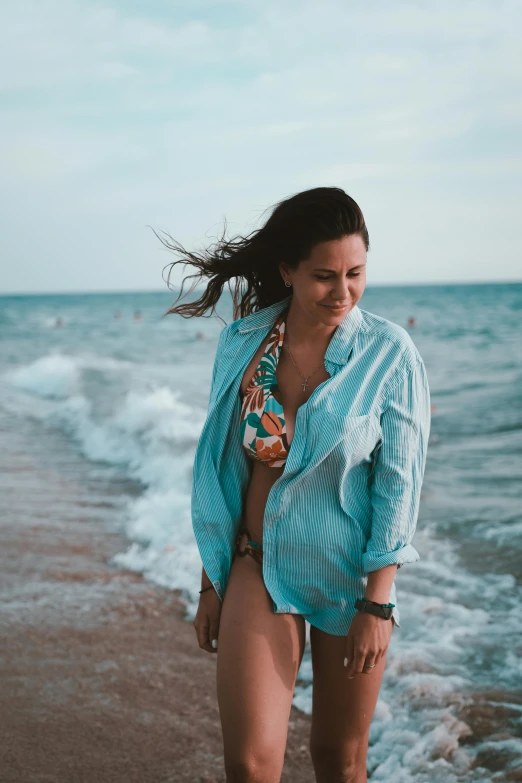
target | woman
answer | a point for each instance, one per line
(306, 485)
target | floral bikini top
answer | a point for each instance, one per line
(262, 419)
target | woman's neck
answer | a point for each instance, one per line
(305, 332)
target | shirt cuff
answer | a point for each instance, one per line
(372, 561)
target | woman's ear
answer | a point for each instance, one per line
(284, 270)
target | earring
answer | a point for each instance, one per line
(288, 283)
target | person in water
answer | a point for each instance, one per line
(306, 484)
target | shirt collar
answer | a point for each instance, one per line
(264, 317)
(340, 345)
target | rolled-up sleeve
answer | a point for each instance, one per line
(398, 471)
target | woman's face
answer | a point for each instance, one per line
(331, 281)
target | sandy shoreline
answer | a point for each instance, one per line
(102, 679)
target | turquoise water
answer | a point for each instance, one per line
(129, 396)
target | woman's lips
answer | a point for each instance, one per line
(335, 308)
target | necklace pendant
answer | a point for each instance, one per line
(305, 384)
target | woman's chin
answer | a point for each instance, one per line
(330, 316)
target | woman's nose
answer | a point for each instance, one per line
(341, 290)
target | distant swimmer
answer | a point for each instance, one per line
(137, 315)
(200, 336)
(59, 321)
(433, 408)
(117, 314)
(411, 321)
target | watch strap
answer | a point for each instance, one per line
(372, 607)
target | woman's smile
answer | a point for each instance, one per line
(336, 308)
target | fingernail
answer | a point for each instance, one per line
(346, 661)
(214, 643)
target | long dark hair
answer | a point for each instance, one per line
(296, 224)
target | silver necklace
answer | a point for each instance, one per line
(305, 380)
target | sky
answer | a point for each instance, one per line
(123, 117)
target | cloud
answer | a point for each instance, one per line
(196, 110)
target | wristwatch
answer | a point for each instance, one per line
(380, 610)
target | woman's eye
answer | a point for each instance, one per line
(355, 274)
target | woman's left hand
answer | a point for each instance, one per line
(366, 643)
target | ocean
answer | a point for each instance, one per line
(107, 386)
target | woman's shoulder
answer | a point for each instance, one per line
(388, 338)
(264, 317)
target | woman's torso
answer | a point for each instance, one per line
(291, 396)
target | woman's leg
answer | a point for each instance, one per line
(342, 711)
(259, 654)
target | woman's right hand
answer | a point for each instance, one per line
(206, 621)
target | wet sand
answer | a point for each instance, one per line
(102, 678)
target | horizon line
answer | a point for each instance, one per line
(109, 291)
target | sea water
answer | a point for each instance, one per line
(127, 388)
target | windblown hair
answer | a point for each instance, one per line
(294, 227)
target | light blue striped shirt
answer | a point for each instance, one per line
(347, 501)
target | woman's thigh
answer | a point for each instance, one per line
(259, 654)
(342, 708)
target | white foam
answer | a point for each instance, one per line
(433, 665)
(150, 435)
(55, 376)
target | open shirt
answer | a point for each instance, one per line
(347, 501)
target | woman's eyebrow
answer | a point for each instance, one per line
(327, 269)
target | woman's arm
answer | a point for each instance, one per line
(395, 495)
(379, 584)
(206, 622)
(205, 581)
(398, 473)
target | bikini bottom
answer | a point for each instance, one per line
(246, 546)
